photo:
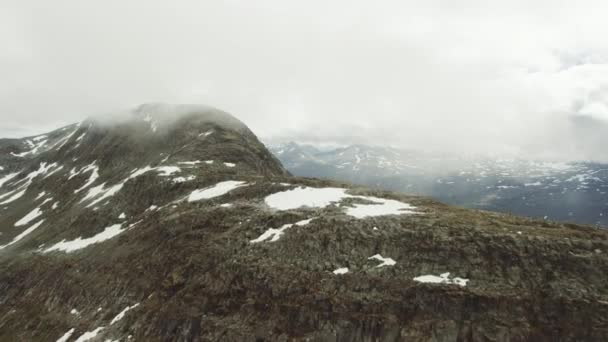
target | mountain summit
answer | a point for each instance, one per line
(174, 223)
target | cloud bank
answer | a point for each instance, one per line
(517, 77)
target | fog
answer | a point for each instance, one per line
(519, 78)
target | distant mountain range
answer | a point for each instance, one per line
(576, 192)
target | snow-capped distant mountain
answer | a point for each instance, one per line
(576, 192)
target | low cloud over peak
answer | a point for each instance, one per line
(515, 77)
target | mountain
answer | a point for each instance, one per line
(574, 192)
(174, 223)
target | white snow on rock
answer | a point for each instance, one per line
(89, 335)
(92, 178)
(183, 179)
(80, 243)
(444, 278)
(342, 270)
(190, 163)
(23, 234)
(380, 207)
(121, 315)
(274, 234)
(209, 162)
(226, 205)
(166, 171)
(230, 164)
(22, 189)
(385, 261)
(31, 216)
(305, 197)
(323, 197)
(206, 134)
(122, 216)
(138, 172)
(40, 195)
(65, 139)
(100, 193)
(74, 312)
(217, 190)
(14, 197)
(152, 208)
(35, 147)
(55, 205)
(66, 336)
(7, 178)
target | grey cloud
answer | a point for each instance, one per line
(474, 77)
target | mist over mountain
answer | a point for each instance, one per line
(175, 223)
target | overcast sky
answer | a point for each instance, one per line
(522, 77)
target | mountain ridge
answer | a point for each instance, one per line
(128, 233)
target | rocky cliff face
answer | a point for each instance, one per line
(176, 224)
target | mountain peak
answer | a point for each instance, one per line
(194, 231)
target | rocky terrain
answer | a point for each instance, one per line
(174, 223)
(564, 191)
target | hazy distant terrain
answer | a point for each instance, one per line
(576, 192)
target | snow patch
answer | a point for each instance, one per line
(191, 163)
(323, 197)
(274, 234)
(14, 197)
(89, 335)
(66, 336)
(166, 171)
(217, 190)
(7, 178)
(31, 216)
(183, 179)
(381, 207)
(342, 270)
(230, 164)
(442, 279)
(121, 315)
(305, 197)
(80, 243)
(23, 234)
(385, 261)
(92, 178)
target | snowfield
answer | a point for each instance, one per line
(323, 197)
(80, 243)
(217, 190)
(29, 217)
(305, 197)
(23, 234)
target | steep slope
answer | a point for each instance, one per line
(176, 224)
(573, 192)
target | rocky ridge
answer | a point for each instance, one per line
(176, 224)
